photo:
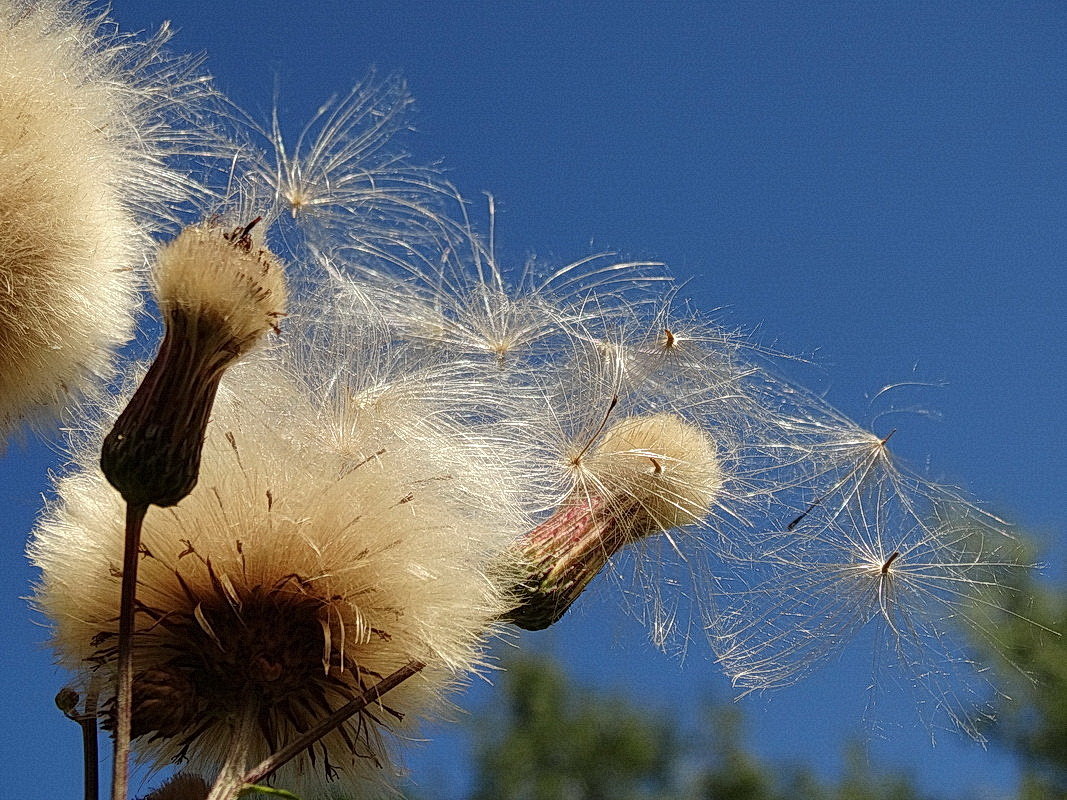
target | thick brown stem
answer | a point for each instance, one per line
(124, 670)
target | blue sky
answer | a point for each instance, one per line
(881, 187)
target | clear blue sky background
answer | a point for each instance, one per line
(880, 185)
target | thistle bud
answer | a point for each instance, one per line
(218, 292)
(646, 475)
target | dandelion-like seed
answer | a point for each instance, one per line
(342, 182)
(338, 161)
(453, 298)
(679, 351)
(881, 551)
(643, 475)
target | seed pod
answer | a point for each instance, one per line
(646, 475)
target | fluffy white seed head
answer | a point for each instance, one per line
(665, 467)
(65, 233)
(294, 574)
(222, 277)
(82, 143)
(646, 474)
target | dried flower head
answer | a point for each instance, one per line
(297, 573)
(87, 125)
(219, 291)
(642, 476)
(649, 424)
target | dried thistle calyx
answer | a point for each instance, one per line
(219, 293)
(647, 474)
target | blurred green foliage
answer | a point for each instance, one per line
(552, 740)
(1030, 652)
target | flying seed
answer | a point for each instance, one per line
(596, 434)
(889, 562)
(818, 501)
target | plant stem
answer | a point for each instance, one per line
(231, 778)
(272, 763)
(90, 748)
(135, 514)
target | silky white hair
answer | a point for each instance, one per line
(84, 141)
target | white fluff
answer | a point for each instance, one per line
(82, 141)
(294, 511)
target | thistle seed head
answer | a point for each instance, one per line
(646, 474)
(87, 127)
(291, 578)
(219, 292)
(225, 282)
(666, 468)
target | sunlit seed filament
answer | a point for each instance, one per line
(596, 434)
(817, 502)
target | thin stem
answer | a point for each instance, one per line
(124, 678)
(67, 701)
(600, 429)
(90, 748)
(272, 763)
